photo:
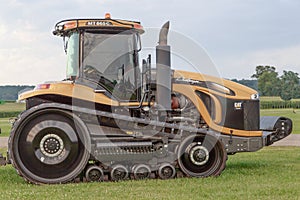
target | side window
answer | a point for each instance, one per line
(72, 55)
(108, 60)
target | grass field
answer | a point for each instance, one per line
(268, 98)
(5, 126)
(12, 107)
(272, 173)
(4, 122)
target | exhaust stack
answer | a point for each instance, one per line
(163, 69)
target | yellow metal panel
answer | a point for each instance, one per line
(69, 89)
(241, 92)
(189, 91)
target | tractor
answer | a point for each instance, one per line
(115, 118)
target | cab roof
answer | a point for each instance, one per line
(64, 27)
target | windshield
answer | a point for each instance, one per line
(72, 56)
(108, 59)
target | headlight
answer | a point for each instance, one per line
(219, 88)
(255, 96)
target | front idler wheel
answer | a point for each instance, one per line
(201, 156)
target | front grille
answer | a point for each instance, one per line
(245, 118)
(251, 115)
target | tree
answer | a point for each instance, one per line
(10, 93)
(262, 69)
(249, 83)
(290, 87)
(268, 81)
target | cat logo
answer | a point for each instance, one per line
(238, 105)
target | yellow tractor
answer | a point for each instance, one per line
(112, 120)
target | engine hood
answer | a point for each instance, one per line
(219, 85)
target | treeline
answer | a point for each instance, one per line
(10, 93)
(249, 83)
(269, 83)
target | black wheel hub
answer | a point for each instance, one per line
(95, 175)
(119, 174)
(51, 145)
(199, 155)
(142, 172)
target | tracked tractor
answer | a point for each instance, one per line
(113, 119)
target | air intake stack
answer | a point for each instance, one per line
(163, 69)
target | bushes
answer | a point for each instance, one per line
(279, 104)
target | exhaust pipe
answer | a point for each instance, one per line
(163, 69)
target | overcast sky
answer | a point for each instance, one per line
(237, 34)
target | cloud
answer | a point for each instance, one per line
(30, 66)
(237, 34)
(2, 30)
(243, 66)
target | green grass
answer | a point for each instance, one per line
(272, 173)
(294, 115)
(5, 126)
(4, 122)
(12, 107)
(276, 98)
(269, 98)
(3, 151)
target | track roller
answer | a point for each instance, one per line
(166, 171)
(94, 174)
(141, 171)
(119, 172)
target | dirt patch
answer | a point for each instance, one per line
(3, 142)
(291, 140)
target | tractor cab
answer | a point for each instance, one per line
(103, 54)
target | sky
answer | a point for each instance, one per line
(235, 35)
